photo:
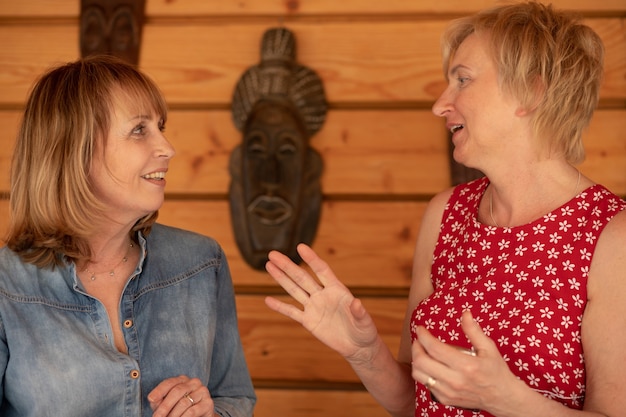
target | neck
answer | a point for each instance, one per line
(520, 199)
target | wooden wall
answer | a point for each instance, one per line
(385, 154)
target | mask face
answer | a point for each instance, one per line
(111, 27)
(275, 192)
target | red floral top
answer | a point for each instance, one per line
(525, 286)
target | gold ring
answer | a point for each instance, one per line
(189, 398)
(430, 382)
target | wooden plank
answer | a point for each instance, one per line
(278, 348)
(303, 403)
(357, 238)
(158, 8)
(28, 50)
(377, 62)
(385, 61)
(365, 152)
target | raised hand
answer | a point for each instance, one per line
(330, 311)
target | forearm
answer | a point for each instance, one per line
(525, 402)
(387, 380)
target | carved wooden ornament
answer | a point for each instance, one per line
(112, 27)
(275, 193)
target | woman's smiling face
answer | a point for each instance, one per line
(128, 169)
(481, 117)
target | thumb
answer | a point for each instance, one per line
(473, 331)
(358, 310)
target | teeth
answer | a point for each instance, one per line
(155, 176)
(455, 128)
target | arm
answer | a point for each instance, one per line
(228, 391)
(332, 314)
(485, 382)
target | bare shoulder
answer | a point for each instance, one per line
(425, 246)
(609, 259)
(604, 321)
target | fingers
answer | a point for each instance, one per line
(294, 279)
(479, 340)
(181, 396)
(285, 309)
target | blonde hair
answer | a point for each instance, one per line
(67, 117)
(547, 60)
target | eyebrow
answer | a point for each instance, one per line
(140, 117)
(455, 69)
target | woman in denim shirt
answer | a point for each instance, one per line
(103, 312)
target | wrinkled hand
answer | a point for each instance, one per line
(330, 311)
(483, 381)
(181, 396)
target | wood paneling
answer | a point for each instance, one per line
(235, 8)
(384, 152)
(373, 62)
(316, 403)
(270, 338)
(365, 152)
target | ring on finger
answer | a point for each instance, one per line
(191, 400)
(430, 382)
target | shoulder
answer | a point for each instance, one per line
(169, 236)
(171, 242)
(608, 265)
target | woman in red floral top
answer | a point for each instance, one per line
(518, 300)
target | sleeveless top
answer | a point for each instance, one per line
(526, 286)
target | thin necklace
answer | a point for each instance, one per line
(92, 275)
(495, 223)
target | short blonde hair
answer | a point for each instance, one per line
(67, 117)
(547, 60)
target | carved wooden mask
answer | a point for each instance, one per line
(112, 27)
(275, 193)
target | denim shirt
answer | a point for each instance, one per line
(178, 315)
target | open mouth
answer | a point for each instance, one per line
(456, 128)
(155, 176)
(270, 210)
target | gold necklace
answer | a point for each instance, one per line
(112, 271)
(495, 223)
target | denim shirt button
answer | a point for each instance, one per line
(128, 323)
(134, 374)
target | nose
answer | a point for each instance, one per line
(443, 104)
(164, 148)
(270, 176)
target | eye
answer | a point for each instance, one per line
(288, 147)
(139, 130)
(255, 146)
(462, 81)
(162, 125)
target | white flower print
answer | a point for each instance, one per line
(521, 235)
(510, 267)
(566, 322)
(529, 294)
(550, 270)
(562, 305)
(542, 328)
(538, 246)
(555, 237)
(543, 295)
(564, 226)
(521, 365)
(519, 251)
(538, 360)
